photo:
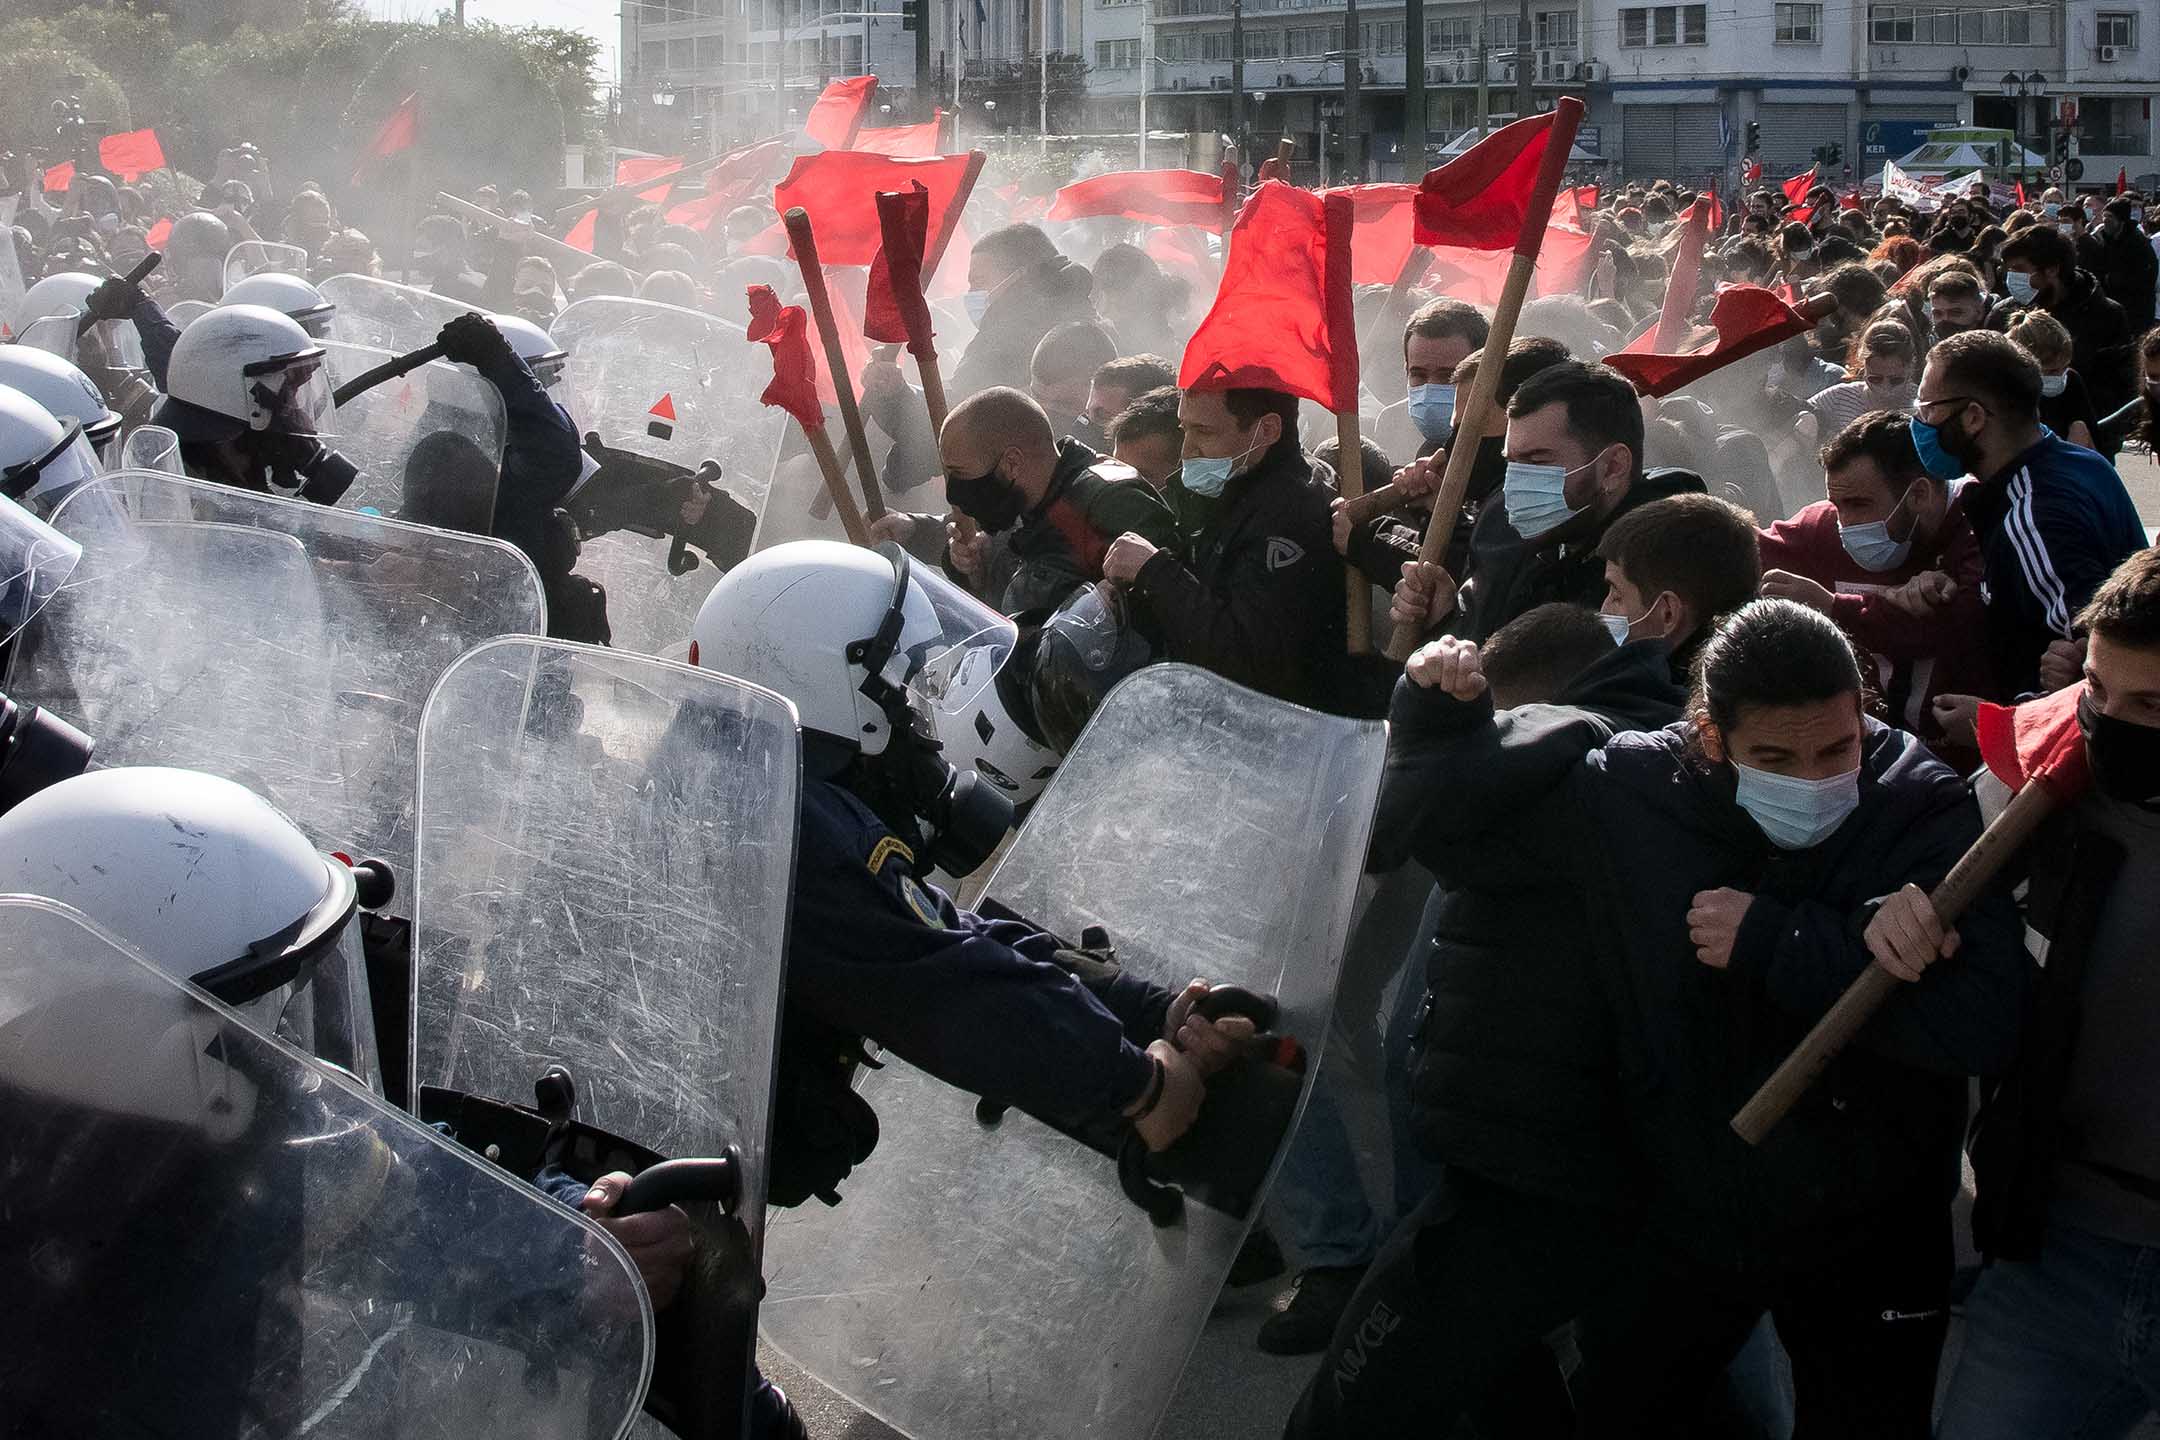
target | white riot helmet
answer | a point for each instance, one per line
(66, 393)
(299, 301)
(244, 367)
(65, 293)
(41, 456)
(880, 656)
(535, 347)
(218, 888)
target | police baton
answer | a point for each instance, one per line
(389, 370)
(134, 278)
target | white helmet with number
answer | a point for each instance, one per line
(66, 393)
(215, 886)
(66, 293)
(819, 622)
(40, 454)
(289, 294)
(534, 346)
(244, 367)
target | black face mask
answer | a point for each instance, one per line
(2125, 757)
(302, 463)
(990, 500)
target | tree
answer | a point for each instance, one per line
(32, 77)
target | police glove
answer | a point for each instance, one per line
(114, 299)
(472, 339)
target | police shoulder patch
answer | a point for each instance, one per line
(919, 901)
(886, 849)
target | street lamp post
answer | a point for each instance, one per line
(2020, 88)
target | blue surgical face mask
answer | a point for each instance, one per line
(1536, 497)
(977, 301)
(1870, 545)
(2020, 286)
(1432, 410)
(1207, 475)
(2054, 385)
(1792, 812)
(2050, 209)
(1927, 444)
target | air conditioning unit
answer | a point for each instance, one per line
(1282, 81)
(1959, 74)
(1218, 82)
(1544, 66)
(1593, 72)
(1177, 82)
(2107, 54)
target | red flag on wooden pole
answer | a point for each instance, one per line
(837, 117)
(1274, 325)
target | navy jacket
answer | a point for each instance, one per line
(541, 461)
(979, 1003)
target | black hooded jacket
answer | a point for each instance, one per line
(1517, 1077)
(1022, 311)
(1647, 824)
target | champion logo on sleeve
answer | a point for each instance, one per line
(1282, 554)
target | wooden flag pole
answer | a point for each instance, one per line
(568, 213)
(1340, 220)
(1972, 874)
(1455, 481)
(569, 254)
(828, 460)
(804, 241)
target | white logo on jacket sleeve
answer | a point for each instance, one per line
(1282, 554)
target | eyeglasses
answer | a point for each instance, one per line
(1923, 405)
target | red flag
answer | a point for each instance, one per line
(837, 117)
(59, 177)
(581, 234)
(839, 187)
(1153, 197)
(1851, 200)
(1381, 236)
(159, 233)
(787, 330)
(1717, 211)
(399, 131)
(913, 142)
(1796, 188)
(1479, 199)
(1478, 276)
(730, 181)
(1183, 252)
(2038, 740)
(1747, 318)
(1800, 214)
(658, 194)
(1753, 171)
(131, 154)
(2020, 193)
(893, 308)
(1277, 322)
(633, 168)
(1587, 197)
(2122, 180)
(1680, 292)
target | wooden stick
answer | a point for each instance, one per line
(570, 212)
(1455, 481)
(828, 459)
(1285, 152)
(804, 240)
(569, 254)
(1233, 185)
(1975, 869)
(1377, 501)
(1350, 484)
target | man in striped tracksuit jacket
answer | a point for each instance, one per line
(2053, 518)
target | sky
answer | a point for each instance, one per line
(595, 17)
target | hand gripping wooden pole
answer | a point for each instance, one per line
(1974, 871)
(1455, 480)
(804, 242)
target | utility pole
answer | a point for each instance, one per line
(1353, 76)
(1237, 73)
(460, 14)
(1413, 129)
(1525, 66)
(925, 91)
(1484, 94)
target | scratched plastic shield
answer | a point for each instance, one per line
(429, 444)
(981, 1282)
(676, 385)
(258, 257)
(209, 1234)
(385, 315)
(342, 649)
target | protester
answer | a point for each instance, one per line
(1115, 385)
(1673, 569)
(2066, 1151)
(2053, 519)
(1885, 366)
(2128, 263)
(2066, 406)
(1061, 375)
(1892, 558)
(1148, 436)
(1438, 337)
(2043, 270)
(1019, 290)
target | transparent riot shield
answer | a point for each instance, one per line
(151, 447)
(115, 343)
(984, 1280)
(35, 562)
(184, 313)
(209, 1234)
(255, 257)
(607, 852)
(271, 641)
(429, 444)
(678, 387)
(385, 315)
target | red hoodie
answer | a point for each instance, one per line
(1915, 659)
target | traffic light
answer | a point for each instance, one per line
(696, 137)
(1754, 136)
(2062, 145)
(910, 14)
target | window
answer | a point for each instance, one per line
(1305, 42)
(680, 55)
(2116, 28)
(1949, 25)
(711, 51)
(653, 54)
(1263, 44)
(1215, 45)
(1452, 35)
(1178, 48)
(1664, 25)
(1117, 54)
(1799, 24)
(1382, 37)
(1555, 28)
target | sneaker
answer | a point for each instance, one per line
(1258, 1259)
(1308, 1323)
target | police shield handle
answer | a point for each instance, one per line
(1974, 871)
(804, 241)
(135, 277)
(1455, 482)
(828, 460)
(382, 374)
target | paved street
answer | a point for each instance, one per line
(1231, 1391)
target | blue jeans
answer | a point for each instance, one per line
(2067, 1347)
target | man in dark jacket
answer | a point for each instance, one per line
(1515, 1086)
(2041, 267)
(1019, 290)
(1047, 511)
(1574, 465)
(2128, 263)
(2066, 1151)
(1259, 598)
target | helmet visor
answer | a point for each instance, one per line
(293, 391)
(945, 625)
(67, 464)
(35, 562)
